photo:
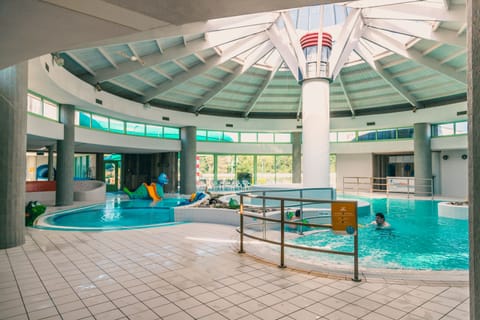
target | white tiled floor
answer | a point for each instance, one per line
(193, 271)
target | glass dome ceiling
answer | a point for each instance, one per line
(387, 56)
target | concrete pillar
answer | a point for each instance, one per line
(436, 172)
(51, 169)
(188, 178)
(100, 167)
(473, 101)
(296, 157)
(13, 108)
(316, 132)
(422, 158)
(66, 157)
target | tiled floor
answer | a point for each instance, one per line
(193, 271)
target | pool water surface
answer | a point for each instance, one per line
(417, 239)
(114, 215)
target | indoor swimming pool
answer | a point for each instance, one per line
(418, 239)
(114, 214)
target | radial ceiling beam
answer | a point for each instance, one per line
(347, 41)
(190, 28)
(268, 78)
(108, 57)
(258, 54)
(417, 11)
(74, 57)
(379, 38)
(347, 97)
(217, 89)
(419, 30)
(124, 86)
(233, 51)
(387, 77)
(173, 53)
(285, 51)
(294, 41)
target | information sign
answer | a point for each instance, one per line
(344, 217)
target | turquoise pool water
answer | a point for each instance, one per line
(418, 239)
(114, 215)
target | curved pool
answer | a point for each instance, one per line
(419, 239)
(113, 215)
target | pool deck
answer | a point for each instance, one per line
(193, 271)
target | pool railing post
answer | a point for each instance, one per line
(264, 223)
(282, 234)
(355, 247)
(241, 225)
(300, 227)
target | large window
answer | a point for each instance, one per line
(265, 170)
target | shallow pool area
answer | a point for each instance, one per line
(114, 214)
(418, 239)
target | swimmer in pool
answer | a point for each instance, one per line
(380, 221)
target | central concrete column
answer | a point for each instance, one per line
(66, 157)
(188, 163)
(422, 158)
(13, 121)
(473, 101)
(51, 170)
(316, 132)
(296, 157)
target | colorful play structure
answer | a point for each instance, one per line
(152, 191)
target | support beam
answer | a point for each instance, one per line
(379, 38)
(387, 77)
(285, 51)
(233, 51)
(419, 30)
(347, 97)
(294, 41)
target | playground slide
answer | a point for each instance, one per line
(152, 191)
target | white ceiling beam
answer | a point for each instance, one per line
(134, 52)
(348, 40)
(294, 41)
(159, 45)
(233, 51)
(151, 84)
(419, 30)
(162, 73)
(189, 28)
(124, 86)
(180, 65)
(80, 62)
(172, 53)
(387, 77)
(285, 50)
(379, 38)
(199, 105)
(446, 4)
(395, 63)
(347, 97)
(417, 11)
(268, 78)
(258, 54)
(432, 48)
(199, 57)
(462, 29)
(108, 57)
(453, 56)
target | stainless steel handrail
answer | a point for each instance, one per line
(264, 219)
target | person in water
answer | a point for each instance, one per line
(380, 221)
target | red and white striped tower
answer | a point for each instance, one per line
(316, 110)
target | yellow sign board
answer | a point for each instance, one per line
(344, 217)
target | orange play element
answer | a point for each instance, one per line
(152, 191)
(344, 214)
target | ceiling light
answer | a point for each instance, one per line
(58, 59)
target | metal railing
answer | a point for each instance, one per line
(409, 186)
(286, 202)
